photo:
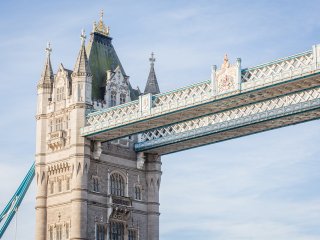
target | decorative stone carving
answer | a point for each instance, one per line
(226, 77)
(97, 150)
(140, 160)
(121, 208)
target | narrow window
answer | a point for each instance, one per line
(68, 184)
(132, 234)
(51, 126)
(113, 98)
(117, 184)
(59, 185)
(137, 193)
(100, 232)
(59, 232)
(95, 184)
(58, 124)
(122, 98)
(60, 94)
(116, 231)
(67, 231)
(51, 187)
(51, 233)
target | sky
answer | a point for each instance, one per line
(263, 186)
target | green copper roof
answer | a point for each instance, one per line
(102, 57)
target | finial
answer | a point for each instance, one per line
(152, 59)
(83, 36)
(225, 62)
(48, 48)
(226, 58)
(101, 15)
(100, 27)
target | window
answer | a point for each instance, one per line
(59, 232)
(113, 98)
(116, 231)
(68, 184)
(67, 231)
(132, 234)
(51, 187)
(51, 126)
(60, 93)
(59, 185)
(137, 191)
(117, 184)
(100, 232)
(51, 233)
(58, 124)
(95, 184)
(122, 98)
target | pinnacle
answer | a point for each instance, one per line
(82, 67)
(152, 83)
(47, 73)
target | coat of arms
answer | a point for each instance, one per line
(226, 77)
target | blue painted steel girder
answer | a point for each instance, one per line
(12, 206)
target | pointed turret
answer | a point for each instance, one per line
(152, 83)
(82, 67)
(47, 73)
(81, 76)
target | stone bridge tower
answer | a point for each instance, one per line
(88, 189)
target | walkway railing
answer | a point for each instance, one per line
(149, 106)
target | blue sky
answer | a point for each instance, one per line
(263, 186)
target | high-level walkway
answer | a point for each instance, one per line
(233, 103)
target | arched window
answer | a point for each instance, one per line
(113, 98)
(137, 192)
(116, 231)
(122, 98)
(117, 184)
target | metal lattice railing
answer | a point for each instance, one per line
(239, 116)
(279, 70)
(182, 97)
(251, 79)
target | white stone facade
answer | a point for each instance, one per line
(86, 189)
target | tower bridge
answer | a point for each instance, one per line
(100, 142)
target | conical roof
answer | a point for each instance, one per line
(152, 83)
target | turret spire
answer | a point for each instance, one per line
(82, 67)
(47, 73)
(152, 83)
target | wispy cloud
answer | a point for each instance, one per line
(259, 187)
